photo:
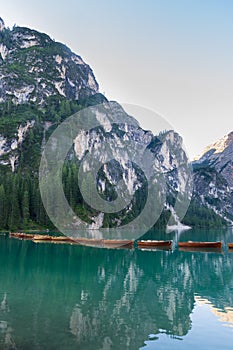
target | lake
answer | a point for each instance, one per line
(55, 296)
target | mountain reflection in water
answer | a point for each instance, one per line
(73, 297)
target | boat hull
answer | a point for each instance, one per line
(106, 243)
(154, 244)
(21, 235)
(190, 244)
(115, 243)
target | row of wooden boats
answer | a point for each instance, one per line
(83, 241)
(114, 243)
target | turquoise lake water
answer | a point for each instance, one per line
(66, 297)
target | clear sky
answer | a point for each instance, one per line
(172, 56)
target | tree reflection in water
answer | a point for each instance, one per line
(69, 297)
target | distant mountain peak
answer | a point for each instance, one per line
(2, 25)
(216, 148)
(219, 156)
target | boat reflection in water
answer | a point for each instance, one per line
(75, 297)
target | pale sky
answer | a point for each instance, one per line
(173, 57)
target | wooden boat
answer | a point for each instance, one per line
(154, 244)
(42, 238)
(21, 235)
(53, 239)
(191, 244)
(85, 241)
(118, 243)
(230, 245)
(89, 241)
(61, 239)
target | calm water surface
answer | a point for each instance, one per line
(72, 297)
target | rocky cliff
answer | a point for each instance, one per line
(213, 175)
(34, 67)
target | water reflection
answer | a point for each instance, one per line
(6, 332)
(225, 315)
(69, 297)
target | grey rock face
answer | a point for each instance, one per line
(167, 168)
(34, 67)
(214, 176)
(220, 156)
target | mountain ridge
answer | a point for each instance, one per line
(219, 155)
(213, 177)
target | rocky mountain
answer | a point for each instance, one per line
(34, 67)
(213, 177)
(36, 73)
(136, 164)
(220, 156)
(42, 83)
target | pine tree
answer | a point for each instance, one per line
(25, 208)
(3, 213)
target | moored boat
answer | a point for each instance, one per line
(118, 243)
(154, 244)
(61, 239)
(21, 235)
(191, 244)
(89, 241)
(55, 240)
(52, 238)
(230, 245)
(42, 238)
